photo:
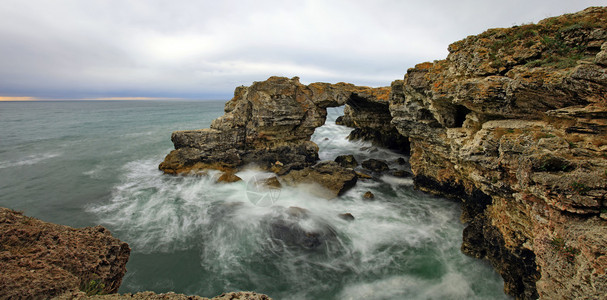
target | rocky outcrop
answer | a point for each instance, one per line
(514, 124)
(39, 260)
(268, 124)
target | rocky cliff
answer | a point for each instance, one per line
(514, 124)
(39, 260)
(268, 124)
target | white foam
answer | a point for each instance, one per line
(29, 160)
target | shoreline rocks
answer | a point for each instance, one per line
(43, 260)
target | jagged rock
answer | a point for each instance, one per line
(228, 177)
(346, 216)
(267, 122)
(335, 179)
(346, 161)
(375, 165)
(368, 195)
(42, 260)
(513, 124)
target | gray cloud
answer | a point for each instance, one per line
(203, 49)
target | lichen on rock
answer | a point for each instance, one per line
(514, 124)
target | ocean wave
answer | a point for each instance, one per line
(29, 160)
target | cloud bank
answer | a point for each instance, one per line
(203, 49)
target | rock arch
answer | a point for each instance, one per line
(270, 124)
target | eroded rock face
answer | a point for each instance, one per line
(514, 124)
(40, 260)
(268, 124)
(370, 117)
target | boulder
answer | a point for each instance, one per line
(334, 178)
(375, 165)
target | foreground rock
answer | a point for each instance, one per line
(514, 124)
(40, 260)
(268, 124)
(166, 296)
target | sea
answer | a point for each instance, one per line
(84, 163)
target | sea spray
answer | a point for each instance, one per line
(203, 237)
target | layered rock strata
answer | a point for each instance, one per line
(40, 260)
(514, 124)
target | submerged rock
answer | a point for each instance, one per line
(346, 216)
(346, 161)
(42, 260)
(375, 165)
(290, 232)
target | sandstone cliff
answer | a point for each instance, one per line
(514, 124)
(39, 260)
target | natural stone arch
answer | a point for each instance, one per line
(269, 124)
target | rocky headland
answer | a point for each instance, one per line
(513, 123)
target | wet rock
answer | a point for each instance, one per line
(400, 173)
(39, 260)
(346, 161)
(228, 177)
(289, 231)
(368, 195)
(375, 165)
(401, 161)
(362, 175)
(334, 178)
(347, 216)
(340, 120)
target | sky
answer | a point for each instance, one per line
(199, 49)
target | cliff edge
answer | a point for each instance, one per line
(514, 124)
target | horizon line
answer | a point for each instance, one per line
(28, 98)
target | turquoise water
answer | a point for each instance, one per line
(84, 163)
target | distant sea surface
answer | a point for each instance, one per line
(84, 163)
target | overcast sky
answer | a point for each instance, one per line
(204, 49)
